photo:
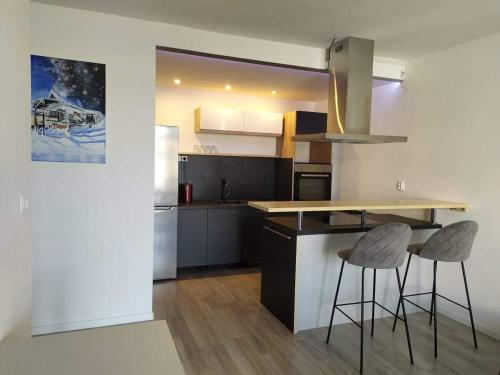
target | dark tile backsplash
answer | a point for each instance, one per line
(249, 178)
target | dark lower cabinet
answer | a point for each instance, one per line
(213, 236)
(278, 274)
(192, 238)
(225, 227)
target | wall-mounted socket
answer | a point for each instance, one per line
(400, 185)
(183, 158)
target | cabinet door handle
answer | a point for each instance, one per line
(278, 233)
(316, 175)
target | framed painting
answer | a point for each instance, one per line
(68, 110)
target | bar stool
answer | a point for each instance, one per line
(452, 243)
(381, 248)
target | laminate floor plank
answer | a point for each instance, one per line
(220, 327)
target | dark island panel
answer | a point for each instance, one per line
(278, 274)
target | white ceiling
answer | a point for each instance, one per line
(206, 73)
(402, 29)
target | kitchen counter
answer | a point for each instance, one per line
(211, 204)
(300, 265)
(359, 205)
(300, 268)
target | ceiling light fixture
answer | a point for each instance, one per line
(228, 87)
(177, 81)
(274, 92)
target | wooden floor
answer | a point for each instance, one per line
(219, 327)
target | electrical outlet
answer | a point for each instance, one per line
(400, 186)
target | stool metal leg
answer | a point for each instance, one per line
(335, 302)
(362, 319)
(432, 309)
(404, 283)
(435, 309)
(373, 299)
(400, 288)
(470, 307)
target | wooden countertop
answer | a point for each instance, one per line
(355, 205)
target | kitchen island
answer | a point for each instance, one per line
(299, 262)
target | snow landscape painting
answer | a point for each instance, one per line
(68, 111)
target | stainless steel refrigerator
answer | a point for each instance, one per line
(166, 199)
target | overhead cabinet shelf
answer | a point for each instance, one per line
(232, 121)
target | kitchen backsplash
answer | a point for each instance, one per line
(249, 178)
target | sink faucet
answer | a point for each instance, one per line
(225, 193)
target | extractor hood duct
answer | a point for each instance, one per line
(350, 96)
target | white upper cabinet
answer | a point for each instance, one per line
(232, 121)
(263, 122)
(219, 120)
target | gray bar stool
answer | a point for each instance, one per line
(452, 243)
(381, 248)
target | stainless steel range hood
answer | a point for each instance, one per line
(350, 96)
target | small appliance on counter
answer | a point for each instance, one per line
(186, 193)
(312, 182)
(166, 201)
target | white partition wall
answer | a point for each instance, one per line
(15, 170)
(93, 232)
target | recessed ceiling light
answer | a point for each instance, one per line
(177, 81)
(274, 92)
(228, 87)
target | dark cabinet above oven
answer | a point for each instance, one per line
(310, 122)
(300, 123)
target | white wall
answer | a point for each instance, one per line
(92, 249)
(93, 224)
(448, 107)
(15, 234)
(175, 106)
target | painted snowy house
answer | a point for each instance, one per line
(68, 110)
(55, 115)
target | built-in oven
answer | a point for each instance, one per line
(312, 182)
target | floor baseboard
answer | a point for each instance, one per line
(73, 326)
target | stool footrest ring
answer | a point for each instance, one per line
(359, 303)
(437, 294)
(351, 319)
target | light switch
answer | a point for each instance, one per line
(400, 186)
(23, 204)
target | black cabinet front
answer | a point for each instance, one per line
(224, 235)
(219, 236)
(310, 122)
(192, 238)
